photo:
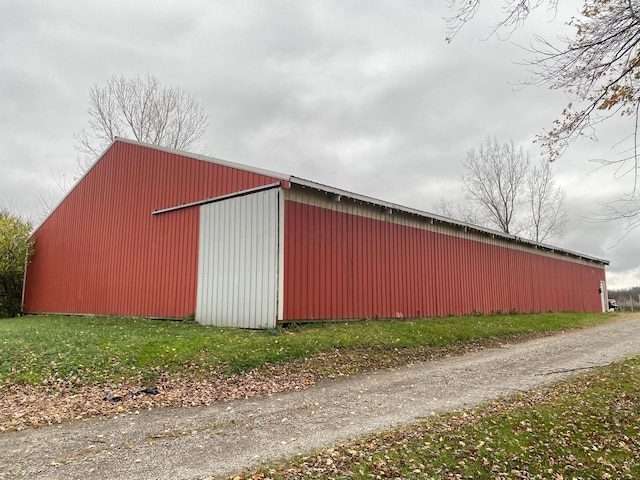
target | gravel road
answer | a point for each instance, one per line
(196, 443)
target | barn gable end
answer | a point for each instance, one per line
(102, 251)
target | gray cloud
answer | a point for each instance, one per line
(367, 98)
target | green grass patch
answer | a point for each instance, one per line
(94, 350)
(587, 428)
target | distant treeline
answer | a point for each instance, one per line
(624, 293)
(628, 299)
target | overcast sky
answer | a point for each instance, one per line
(364, 96)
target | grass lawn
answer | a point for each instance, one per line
(93, 350)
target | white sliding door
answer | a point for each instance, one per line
(238, 261)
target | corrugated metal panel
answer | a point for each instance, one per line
(103, 252)
(449, 222)
(345, 259)
(238, 261)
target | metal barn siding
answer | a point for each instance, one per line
(238, 261)
(348, 259)
(103, 252)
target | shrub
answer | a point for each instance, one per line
(15, 247)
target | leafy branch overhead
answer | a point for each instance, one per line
(598, 67)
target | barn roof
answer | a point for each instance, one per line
(339, 193)
(467, 227)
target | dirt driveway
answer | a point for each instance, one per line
(202, 442)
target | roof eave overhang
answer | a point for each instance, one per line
(434, 218)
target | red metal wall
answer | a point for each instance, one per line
(103, 252)
(340, 265)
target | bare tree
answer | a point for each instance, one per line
(503, 191)
(547, 206)
(460, 211)
(599, 66)
(493, 182)
(49, 197)
(142, 109)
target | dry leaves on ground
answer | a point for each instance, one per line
(24, 406)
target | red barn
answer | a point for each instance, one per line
(154, 232)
